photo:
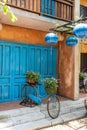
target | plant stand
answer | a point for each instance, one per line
(28, 103)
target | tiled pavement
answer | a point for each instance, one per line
(80, 124)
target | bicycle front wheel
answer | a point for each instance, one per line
(85, 85)
(85, 88)
(53, 106)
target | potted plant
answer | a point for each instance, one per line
(50, 85)
(82, 75)
(32, 77)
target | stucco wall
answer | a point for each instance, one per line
(83, 48)
(83, 2)
(65, 58)
(66, 70)
(23, 35)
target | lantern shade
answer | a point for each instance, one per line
(71, 41)
(51, 38)
(80, 30)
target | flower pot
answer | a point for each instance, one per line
(31, 81)
(51, 90)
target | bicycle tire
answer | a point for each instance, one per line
(24, 96)
(85, 89)
(53, 106)
(85, 85)
(85, 103)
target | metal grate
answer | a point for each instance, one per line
(68, 27)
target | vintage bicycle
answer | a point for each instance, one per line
(33, 98)
(83, 80)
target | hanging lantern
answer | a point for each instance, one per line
(51, 38)
(71, 41)
(80, 30)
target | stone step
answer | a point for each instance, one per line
(16, 120)
(15, 117)
(62, 113)
(67, 106)
(43, 123)
(18, 112)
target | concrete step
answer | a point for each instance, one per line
(18, 112)
(43, 123)
(67, 106)
(10, 118)
(16, 120)
(65, 112)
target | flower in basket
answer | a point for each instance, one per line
(50, 85)
(32, 77)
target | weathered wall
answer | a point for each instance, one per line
(66, 70)
(83, 2)
(66, 54)
(23, 35)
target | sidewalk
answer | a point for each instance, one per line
(80, 124)
(37, 117)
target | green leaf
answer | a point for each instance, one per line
(12, 17)
(5, 9)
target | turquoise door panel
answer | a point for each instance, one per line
(20, 65)
(5, 72)
(16, 59)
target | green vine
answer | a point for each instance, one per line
(7, 10)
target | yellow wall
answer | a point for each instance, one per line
(83, 48)
(83, 2)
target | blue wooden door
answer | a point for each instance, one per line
(5, 71)
(20, 67)
(16, 59)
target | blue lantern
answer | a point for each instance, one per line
(71, 41)
(51, 38)
(80, 30)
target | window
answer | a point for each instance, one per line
(83, 11)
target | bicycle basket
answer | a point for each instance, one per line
(50, 90)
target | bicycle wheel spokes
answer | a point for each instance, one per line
(85, 88)
(53, 106)
(85, 85)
